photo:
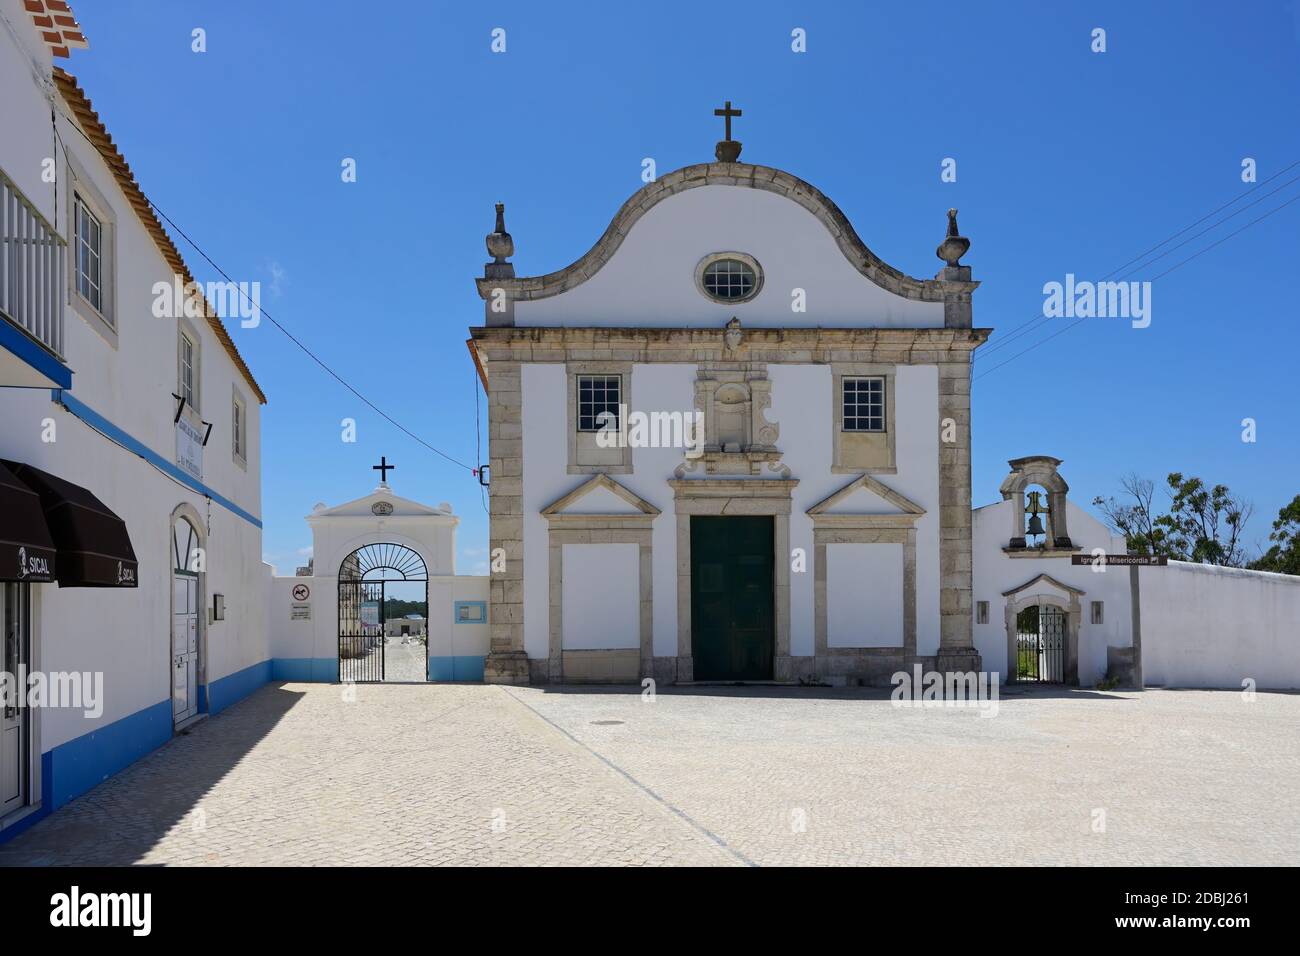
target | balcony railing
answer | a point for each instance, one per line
(32, 269)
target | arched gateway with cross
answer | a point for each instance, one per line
(383, 600)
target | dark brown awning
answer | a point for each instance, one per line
(26, 550)
(92, 545)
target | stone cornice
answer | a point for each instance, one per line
(814, 345)
(525, 288)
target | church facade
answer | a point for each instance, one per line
(731, 443)
(809, 518)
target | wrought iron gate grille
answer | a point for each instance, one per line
(361, 630)
(1040, 645)
(363, 576)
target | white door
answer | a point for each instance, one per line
(13, 712)
(185, 647)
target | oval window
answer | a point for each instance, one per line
(729, 278)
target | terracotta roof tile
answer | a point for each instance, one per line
(56, 25)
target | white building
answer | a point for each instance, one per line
(150, 571)
(819, 526)
(822, 529)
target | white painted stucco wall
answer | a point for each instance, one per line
(650, 279)
(1205, 626)
(602, 594)
(864, 595)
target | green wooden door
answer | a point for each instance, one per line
(732, 601)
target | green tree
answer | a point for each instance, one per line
(1284, 555)
(1203, 524)
(1206, 523)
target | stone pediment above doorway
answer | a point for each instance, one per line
(1037, 583)
(600, 496)
(866, 501)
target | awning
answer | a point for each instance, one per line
(26, 549)
(92, 545)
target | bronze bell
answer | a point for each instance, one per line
(1035, 522)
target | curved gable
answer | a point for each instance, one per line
(642, 271)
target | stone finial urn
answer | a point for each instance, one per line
(954, 246)
(727, 150)
(499, 244)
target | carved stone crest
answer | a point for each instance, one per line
(733, 335)
(735, 398)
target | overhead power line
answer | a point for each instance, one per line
(1038, 320)
(289, 335)
(1176, 265)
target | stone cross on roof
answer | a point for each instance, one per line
(728, 150)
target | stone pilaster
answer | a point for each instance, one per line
(957, 288)
(956, 643)
(507, 662)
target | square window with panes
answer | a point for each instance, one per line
(598, 400)
(864, 404)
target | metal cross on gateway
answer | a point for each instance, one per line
(383, 468)
(727, 113)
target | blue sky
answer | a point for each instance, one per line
(1068, 161)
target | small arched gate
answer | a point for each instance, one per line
(1040, 644)
(363, 579)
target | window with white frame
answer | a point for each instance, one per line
(90, 256)
(981, 612)
(598, 401)
(1098, 612)
(239, 428)
(188, 370)
(864, 404)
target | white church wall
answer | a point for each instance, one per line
(650, 279)
(801, 403)
(1205, 626)
(601, 594)
(995, 572)
(864, 595)
(545, 456)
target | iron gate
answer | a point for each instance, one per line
(1040, 645)
(361, 630)
(363, 576)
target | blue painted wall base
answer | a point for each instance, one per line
(456, 668)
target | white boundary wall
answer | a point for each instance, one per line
(1206, 626)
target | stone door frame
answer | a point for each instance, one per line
(751, 497)
(1031, 593)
